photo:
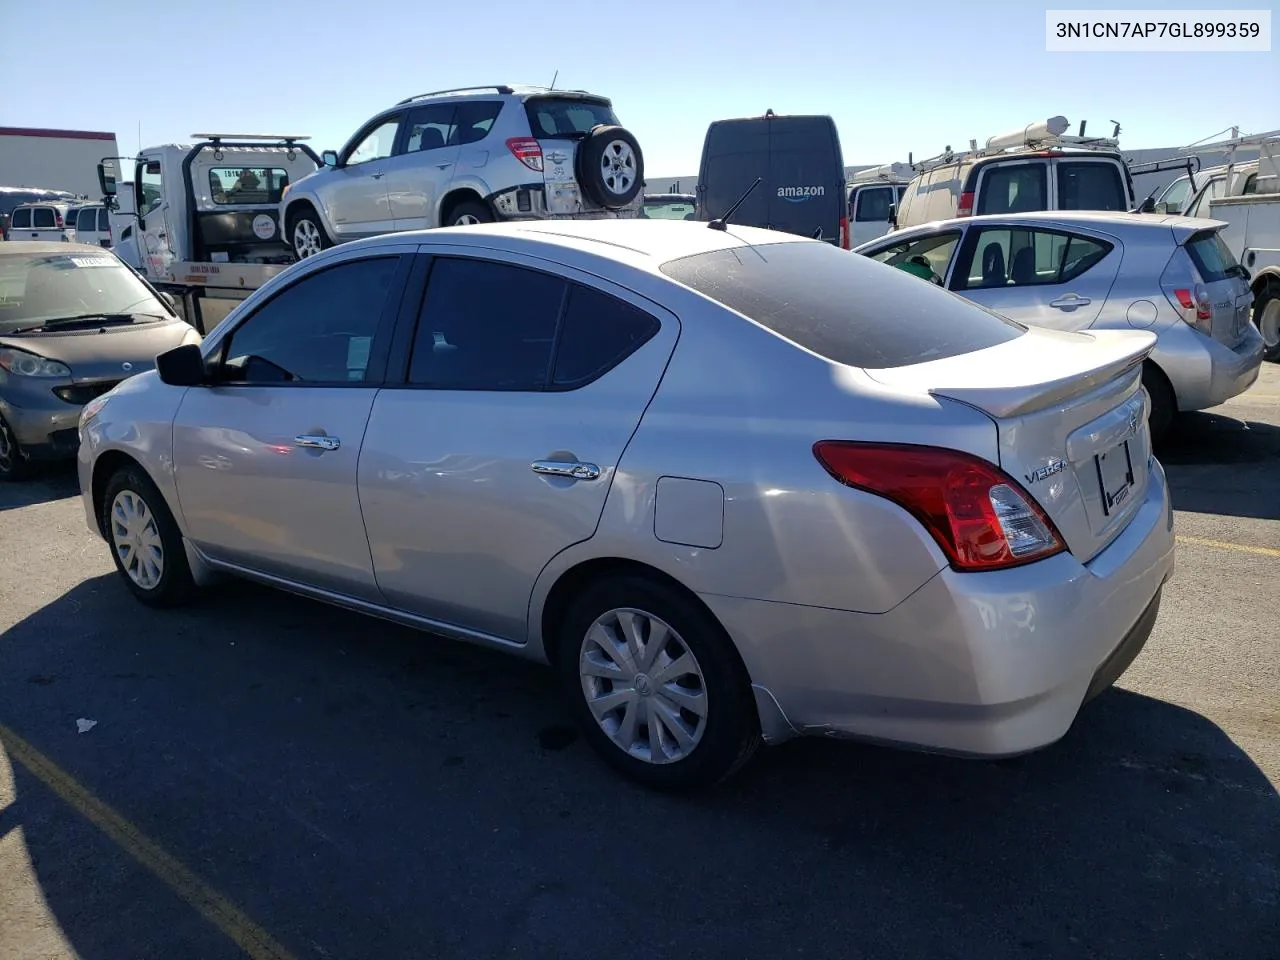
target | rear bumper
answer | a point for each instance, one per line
(1204, 372)
(528, 202)
(991, 664)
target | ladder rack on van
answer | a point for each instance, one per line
(887, 173)
(1043, 135)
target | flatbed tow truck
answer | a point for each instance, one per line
(201, 220)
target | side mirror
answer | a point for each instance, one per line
(330, 158)
(107, 181)
(1148, 205)
(893, 215)
(182, 366)
(169, 299)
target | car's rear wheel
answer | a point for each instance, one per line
(146, 543)
(1266, 314)
(307, 234)
(656, 685)
(1164, 403)
(14, 465)
(469, 213)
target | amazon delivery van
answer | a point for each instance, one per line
(801, 171)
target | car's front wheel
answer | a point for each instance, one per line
(656, 685)
(306, 234)
(146, 543)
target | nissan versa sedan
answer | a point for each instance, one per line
(1077, 270)
(735, 485)
(74, 322)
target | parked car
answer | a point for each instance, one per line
(548, 439)
(1093, 271)
(43, 220)
(669, 206)
(93, 225)
(74, 322)
(474, 155)
(12, 197)
(798, 161)
(1039, 167)
(873, 196)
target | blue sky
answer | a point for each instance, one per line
(896, 76)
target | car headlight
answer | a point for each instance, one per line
(23, 364)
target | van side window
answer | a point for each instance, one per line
(1090, 185)
(1002, 256)
(1013, 188)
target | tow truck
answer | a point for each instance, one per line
(201, 220)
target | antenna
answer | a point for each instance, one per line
(554, 78)
(719, 223)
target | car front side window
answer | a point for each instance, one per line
(376, 144)
(320, 330)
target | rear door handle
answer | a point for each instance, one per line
(573, 470)
(1070, 300)
(317, 442)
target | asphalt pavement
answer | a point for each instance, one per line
(260, 775)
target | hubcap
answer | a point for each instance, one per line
(8, 449)
(1269, 324)
(644, 686)
(466, 220)
(306, 239)
(618, 167)
(136, 539)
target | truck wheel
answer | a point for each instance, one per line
(610, 166)
(306, 234)
(1266, 316)
(468, 213)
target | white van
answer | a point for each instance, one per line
(1024, 171)
(93, 225)
(873, 196)
(43, 221)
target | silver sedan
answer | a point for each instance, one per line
(735, 485)
(1077, 270)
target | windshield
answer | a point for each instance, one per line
(42, 288)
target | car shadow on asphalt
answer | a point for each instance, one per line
(1221, 465)
(363, 790)
(51, 482)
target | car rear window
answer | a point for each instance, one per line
(1090, 186)
(104, 219)
(1213, 258)
(87, 219)
(42, 217)
(1013, 188)
(848, 309)
(22, 218)
(566, 116)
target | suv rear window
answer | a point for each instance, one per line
(1090, 186)
(848, 309)
(1213, 258)
(566, 116)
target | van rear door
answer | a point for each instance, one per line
(806, 173)
(734, 153)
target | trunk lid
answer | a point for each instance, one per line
(1228, 295)
(1070, 414)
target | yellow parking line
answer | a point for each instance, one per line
(1224, 545)
(219, 911)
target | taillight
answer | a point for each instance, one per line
(57, 219)
(527, 150)
(844, 233)
(1193, 306)
(979, 515)
(965, 207)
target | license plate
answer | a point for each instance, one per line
(1115, 476)
(562, 197)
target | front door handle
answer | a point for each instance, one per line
(377, 176)
(317, 442)
(1069, 301)
(572, 470)
(444, 166)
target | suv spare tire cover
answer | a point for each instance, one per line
(623, 153)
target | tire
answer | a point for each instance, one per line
(151, 526)
(313, 238)
(1164, 403)
(469, 212)
(1266, 317)
(610, 166)
(14, 465)
(716, 744)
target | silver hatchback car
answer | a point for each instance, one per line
(734, 484)
(1076, 270)
(475, 155)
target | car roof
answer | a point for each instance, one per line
(1086, 218)
(645, 244)
(17, 247)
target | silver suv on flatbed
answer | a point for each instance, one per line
(471, 155)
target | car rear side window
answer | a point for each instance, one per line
(22, 218)
(848, 309)
(1013, 188)
(486, 326)
(42, 218)
(1213, 258)
(1090, 185)
(566, 116)
(596, 334)
(1006, 256)
(474, 120)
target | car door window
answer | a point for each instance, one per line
(1090, 185)
(42, 218)
(473, 121)
(1003, 257)
(926, 257)
(1013, 188)
(429, 128)
(376, 144)
(1216, 188)
(151, 184)
(486, 326)
(596, 334)
(319, 330)
(872, 205)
